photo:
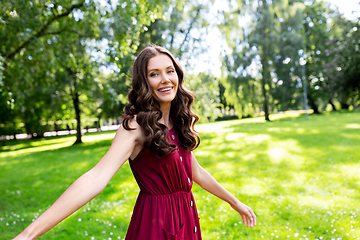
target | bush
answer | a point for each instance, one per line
(227, 117)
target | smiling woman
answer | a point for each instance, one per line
(155, 111)
(157, 136)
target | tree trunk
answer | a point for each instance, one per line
(265, 73)
(265, 61)
(78, 117)
(312, 102)
(98, 126)
(266, 102)
(76, 102)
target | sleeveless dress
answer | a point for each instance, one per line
(165, 208)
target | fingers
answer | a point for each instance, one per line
(250, 222)
(244, 220)
(254, 217)
(249, 218)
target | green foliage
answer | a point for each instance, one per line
(31, 35)
(343, 71)
(53, 56)
(299, 176)
(206, 93)
(180, 30)
(268, 39)
(287, 82)
(317, 32)
(49, 58)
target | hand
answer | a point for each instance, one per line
(247, 214)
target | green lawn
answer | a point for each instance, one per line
(301, 177)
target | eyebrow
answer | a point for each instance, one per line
(155, 69)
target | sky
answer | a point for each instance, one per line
(347, 7)
(210, 62)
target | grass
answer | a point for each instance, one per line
(301, 177)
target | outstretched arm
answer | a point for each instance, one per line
(207, 182)
(86, 187)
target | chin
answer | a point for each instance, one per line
(165, 100)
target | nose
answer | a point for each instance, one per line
(164, 78)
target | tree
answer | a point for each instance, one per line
(75, 76)
(31, 21)
(62, 39)
(287, 72)
(28, 62)
(27, 84)
(206, 92)
(318, 34)
(349, 62)
(270, 46)
(173, 31)
(342, 72)
(253, 44)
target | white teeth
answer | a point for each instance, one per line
(165, 89)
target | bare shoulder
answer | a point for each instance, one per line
(136, 134)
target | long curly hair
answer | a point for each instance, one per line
(143, 104)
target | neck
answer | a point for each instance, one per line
(165, 110)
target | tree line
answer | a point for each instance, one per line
(69, 62)
(291, 43)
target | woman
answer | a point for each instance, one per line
(157, 136)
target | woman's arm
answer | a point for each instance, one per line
(207, 182)
(87, 186)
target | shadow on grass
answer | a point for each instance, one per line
(15, 145)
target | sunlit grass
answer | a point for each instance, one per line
(300, 176)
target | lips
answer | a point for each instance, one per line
(165, 89)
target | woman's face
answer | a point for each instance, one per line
(163, 78)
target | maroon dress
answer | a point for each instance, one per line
(165, 208)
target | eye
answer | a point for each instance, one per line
(171, 71)
(154, 74)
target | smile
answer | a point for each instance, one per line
(165, 89)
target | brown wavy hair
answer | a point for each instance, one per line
(143, 104)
